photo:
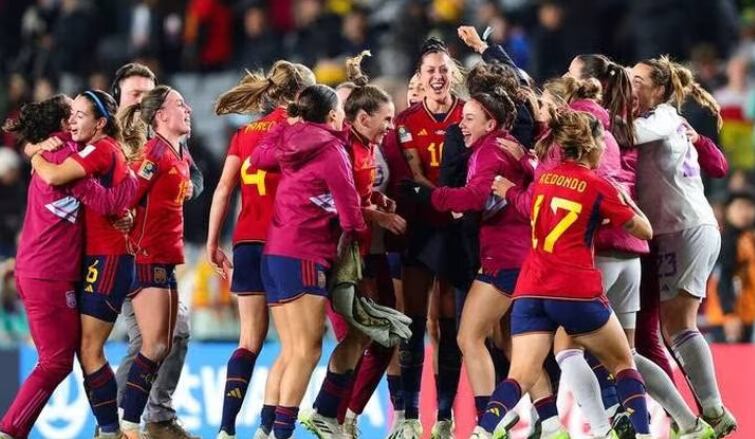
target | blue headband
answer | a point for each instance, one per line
(98, 104)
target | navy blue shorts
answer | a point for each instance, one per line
(154, 276)
(503, 280)
(107, 282)
(394, 264)
(546, 315)
(286, 279)
(247, 269)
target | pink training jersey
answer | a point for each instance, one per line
(51, 238)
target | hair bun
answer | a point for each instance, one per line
(433, 44)
(354, 69)
(294, 110)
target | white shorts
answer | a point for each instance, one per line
(621, 282)
(686, 260)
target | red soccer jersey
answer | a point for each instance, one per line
(105, 160)
(419, 129)
(164, 183)
(569, 203)
(362, 155)
(257, 186)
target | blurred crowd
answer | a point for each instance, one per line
(51, 46)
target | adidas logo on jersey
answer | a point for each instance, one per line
(422, 132)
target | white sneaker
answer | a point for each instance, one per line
(480, 433)
(443, 430)
(350, 427)
(132, 430)
(702, 430)
(398, 417)
(408, 429)
(260, 434)
(223, 435)
(323, 427)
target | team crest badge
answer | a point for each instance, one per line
(147, 170)
(404, 135)
(71, 299)
(160, 275)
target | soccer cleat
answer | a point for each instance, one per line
(408, 429)
(260, 434)
(702, 430)
(674, 430)
(322, 427)
(443, 430)
(480, 433)
(171, 429)
(131, 430)
(350, 427)
(724, 424)
(622, 425)
(98, 434)
(223, 435)
(509, 420)
(535, 430)
(398, 417)
(560, 434)
(610, 435)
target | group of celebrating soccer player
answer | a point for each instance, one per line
(535, 234)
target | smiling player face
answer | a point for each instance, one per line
(435, 76)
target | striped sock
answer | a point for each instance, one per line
(504, 398)
(449, 368)
(334, 388)
(267, 418)
(606, 381)
(102, 392)
(480, 403)
(412, 359)
(285, 420)
(140, 378)
(238, 374)
(631, 389)
(395, 391)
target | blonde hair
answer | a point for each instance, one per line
(570, 89)
(281, 85)
(364, 96)
(575, 132)
(136, 121)
(679, 82)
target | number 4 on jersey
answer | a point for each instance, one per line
(256, 178)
